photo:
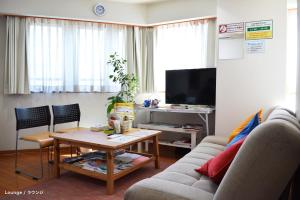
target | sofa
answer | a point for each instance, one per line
(262, 169)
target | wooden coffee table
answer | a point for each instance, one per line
(100, 141)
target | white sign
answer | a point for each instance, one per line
(231, 48)
(231, 28)
(255, 46)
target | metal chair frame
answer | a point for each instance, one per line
(65, 114)
(31, 118)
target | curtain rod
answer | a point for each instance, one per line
(292, 9)
(114, 23)
(182, 21)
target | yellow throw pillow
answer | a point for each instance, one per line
(237, 130)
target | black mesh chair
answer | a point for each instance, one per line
(31, 118)
(65, 114)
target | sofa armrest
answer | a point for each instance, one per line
(158, 189)
(221, 140)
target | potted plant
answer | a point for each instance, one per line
(128, 82)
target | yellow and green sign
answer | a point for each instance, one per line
(259, 30)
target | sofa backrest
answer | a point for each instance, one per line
(266, 161)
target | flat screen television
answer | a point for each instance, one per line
(191, 86)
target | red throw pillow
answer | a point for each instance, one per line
(216, 167)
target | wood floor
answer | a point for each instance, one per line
(29, 161)
(10, 181)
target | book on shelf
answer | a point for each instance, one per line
(96, 161)
(183, 141)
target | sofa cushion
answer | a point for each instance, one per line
(183, 171)
(159, 189)
(243, 125)
(216, 167)
(176, 177)
(255, 121)
(182, 176)
(180, 180)
(204, 183)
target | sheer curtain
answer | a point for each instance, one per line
(71, 56)
(181, 46)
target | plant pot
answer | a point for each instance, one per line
(125, 109)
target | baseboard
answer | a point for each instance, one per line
(31, 150)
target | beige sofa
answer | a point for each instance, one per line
(262, 168)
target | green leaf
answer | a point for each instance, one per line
(111, 98)
(110, 107)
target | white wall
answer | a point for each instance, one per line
(180, 9)
(258, 80)
(78, 9)
(115, 11)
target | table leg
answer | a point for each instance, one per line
(56, 157)
(110, 172)
(193, 139)
(139, 147)
(156, 151)
(147, 146)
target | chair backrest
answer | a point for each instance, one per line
(32, 117)
(66, 113)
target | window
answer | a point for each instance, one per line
(71, 56)
(181, 46)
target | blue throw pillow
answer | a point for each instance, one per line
(250, 126)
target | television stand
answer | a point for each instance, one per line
(203, 113)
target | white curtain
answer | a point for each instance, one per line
(71, 56)
(140, 56)
(16, 68)
(182, 46)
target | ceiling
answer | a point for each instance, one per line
(138, 1)
(290, 3)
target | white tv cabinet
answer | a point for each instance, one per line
(203, 114)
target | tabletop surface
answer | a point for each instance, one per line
(101, 139)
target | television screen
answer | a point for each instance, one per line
(191, 86)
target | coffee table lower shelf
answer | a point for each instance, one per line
(99, 141)
(102, 176)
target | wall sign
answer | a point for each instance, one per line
(231, 28)
(231, 41)
(259, 30)
(255, 46)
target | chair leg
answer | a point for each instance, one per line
(16, 158)
(41, 160)
(19, 171)
(41, 165)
